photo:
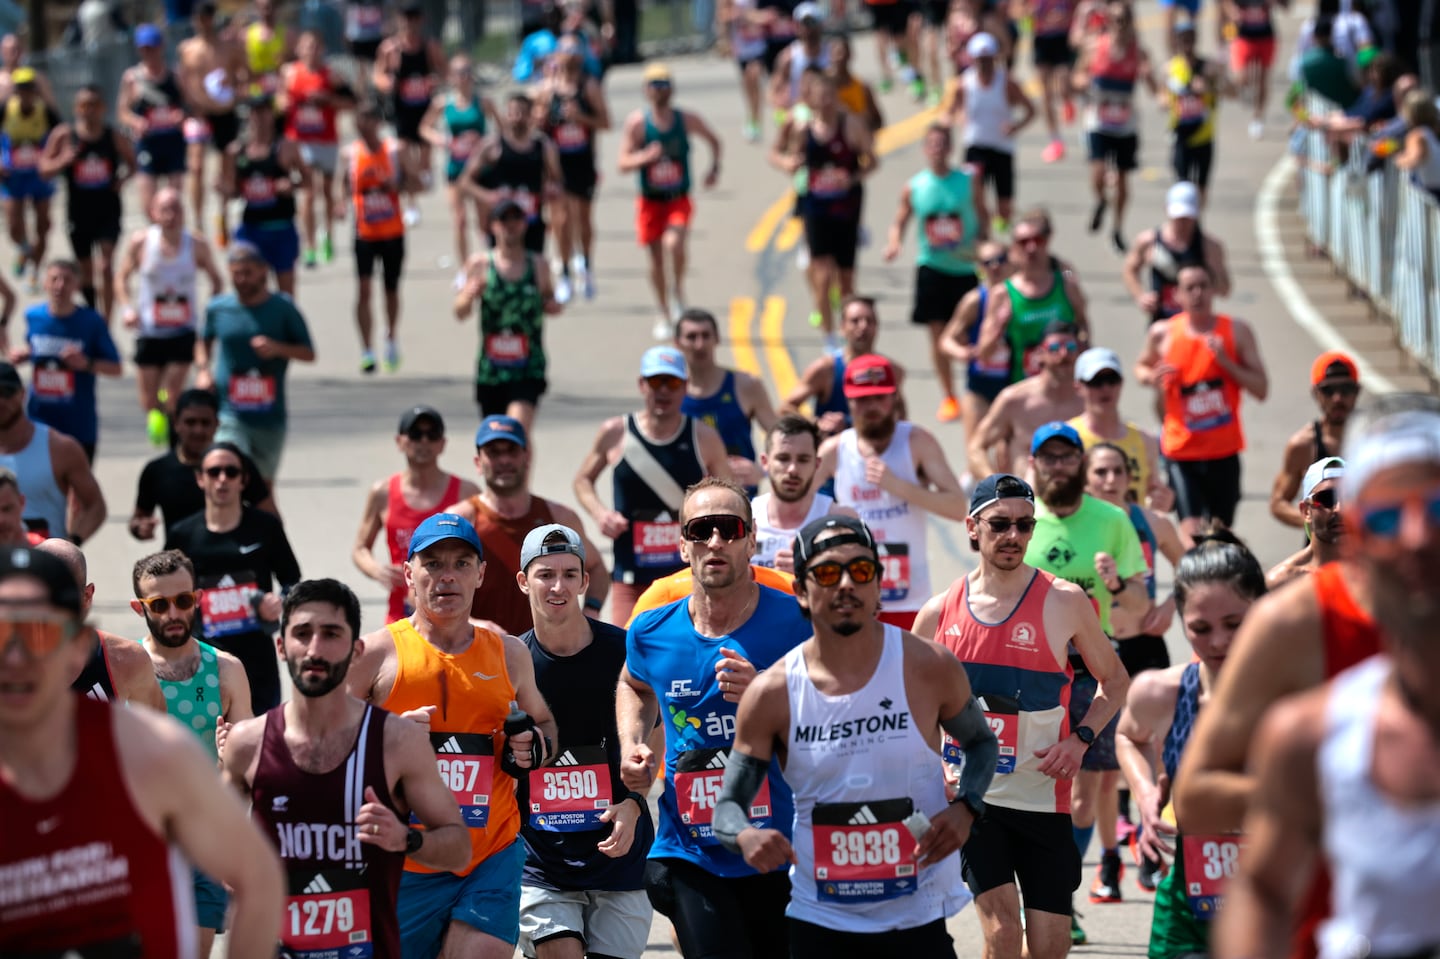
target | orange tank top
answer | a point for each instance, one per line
(1202, 401)
(472, 692)
(377, 202)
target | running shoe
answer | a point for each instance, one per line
(752, 131)
(1097, 216)
(816, 319)
(1124, 828)
(1147, 877)
(998, 224)
(308, 258)
(1117, 240)
(1077, 935)
(392, 356)
(1106, 887)
(411, 216)
(949, 410)
(562, 290)
(932, 99)
(22, 256)
(802, 257)
(662, 330)
(367, 362)
(327, 247)
(1054, 152)
(157, 428)
(1067, 111)
(917, 90)
(886, 84)
(587, 282)
(459, 282)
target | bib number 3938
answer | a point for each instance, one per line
(863, 852)
(1210, 862)
(467, 765)
(573, 794)
(698, 776)
(327, 916)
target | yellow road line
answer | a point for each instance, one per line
(777, 356)
(759, 237)
(742, 316)
(790, 234)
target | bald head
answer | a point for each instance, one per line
(74, 560)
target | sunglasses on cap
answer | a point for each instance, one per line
(1024, 526)
(418, 434)
(1331, 390)
(229, 472)
(1325, 498)
(1383, 522)
(160, 605)
(39, 635)
(862, 570)
(701, 528)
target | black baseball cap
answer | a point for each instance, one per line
(852, 530)
(59, 581)
(10, 376)
(417, 413)
(998, 486)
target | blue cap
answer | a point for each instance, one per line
(664, 361)
(149, 35)
(439, 528)
(1055, 430)
(498, 427)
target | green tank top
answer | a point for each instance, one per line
(1028, 319)
(945, 211)
(511, 313)
(1174, 929)
(668, 178)
(195, 702)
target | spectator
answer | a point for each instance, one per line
(1384, 86)
(1421, 153)
(1325, 73)
(1350, 33)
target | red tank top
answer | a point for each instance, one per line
(498, 598)
(400, 521)
(309, 122)
(83, 870)
(1202, 401)
(341, 892)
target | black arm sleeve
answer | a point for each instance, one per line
(282, 558)
(743, 779)
(981, 750)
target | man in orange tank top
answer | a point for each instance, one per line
(374, 175)
(1200, 362)
(466, 683)
(1316, 626)
(398, 504)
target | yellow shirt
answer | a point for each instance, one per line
(1187, 107)
(1133, 444)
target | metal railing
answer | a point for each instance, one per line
(1380, 230)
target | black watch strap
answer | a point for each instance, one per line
(414, 839)
(1085, 734)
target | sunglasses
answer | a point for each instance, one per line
(664, 382)
(1055, 459)
(1030, 241)
(1383, 522)
(419, 435)
(229, 472)
(38, 635)
(1000, 527)
(160, 605)
(862, 570)
(1339, 389)
(701, 528)
(995, 262)
(1104, 379)
(1069, 346)
(659, 84)
(1325, 498)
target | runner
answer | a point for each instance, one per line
(897, 35)
(1002, 439)
(1335, 386)
(311, 769)
(462, 112)
(251, 336)
(855, 94)
(167, 258)
(1054, 59)
(117, 670)
(12, 513)
(202, 687)
(310, 96)
(1215, 585)
(655, 145)
(62, 498)
(657, 453)
(240, 554)
(152, 107)
(985, 107)
(1167, 249)
(364, 32)
(1108, 69)
(514, 290)
(1252, 53)
(503, 514)
(68, 345)
(519, 164)
(1324, 523)
(575, 112)
(730, 402)
(407, 69)
(1201, 361)
(745, 23)
(26, 120)
(1099, 379)
(791, 460)
(262, 169)
(473, 910)
(697, 657)
(402, 502)
(96, 162)
(209, 72)
(1174, 18)
(268, 47)
(893, 473)
(586, 834)
(984, 379)
(840, 906)
(1193, 88)
(164, 806)
(822, 384)
(1011, 624)
(807, 50)
(374, 175)
(949, 207)
(12, 61)
(168, 481)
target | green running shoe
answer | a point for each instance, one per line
(327, 248)
(157, 427)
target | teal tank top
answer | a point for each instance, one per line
(668, 178)
(466, 126)
(945, 212)
(195, 702)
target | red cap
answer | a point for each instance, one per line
(1333, 365)
(869, 375)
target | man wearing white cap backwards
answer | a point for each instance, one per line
(1324, 522)
(1152, 268)
(988, 109)
(1313, 628)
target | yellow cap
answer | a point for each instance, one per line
(657, 73)
(22, 75)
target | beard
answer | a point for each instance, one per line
(779, 492)
(505, 482)
(170, 640)
(878, 430)
(848, 627)
(1062, 491)
(311, 687)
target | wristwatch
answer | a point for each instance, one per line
(1085, 734)
(414, 839)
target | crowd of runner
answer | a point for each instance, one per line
(844, 751)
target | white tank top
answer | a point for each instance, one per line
(897, 526)
(987, 110)
(770, 539)
(747, 41)
(1384, 859)
(799, 60)
(167, 287)
(858, 766)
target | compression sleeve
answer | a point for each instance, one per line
(981, 749)
(743, 779)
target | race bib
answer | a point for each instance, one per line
(509, 350)
(894, 571)
(1003, 715)
(54, 384)
(252, 393)
(197, 130)
(863, 852)
(25, 156)
(698, 777)
(1255, 16)
(362, 19)
(1191, 109)
(172, 313)
(657, 544)
(164, 119)
(944, 231)
(462, 145)
(997, 365)
(526, 200)
(228, 610)
(829, 182)
(1114, 113)
(92, 172)
(310, 119)
(467, 765)
(571, 137)
(377, 206)
(665, 174)
(1210, 862)
(327, 916)
(1205, 407)
(268, 83)
(415, 90)
(572, 794)
(258, 190)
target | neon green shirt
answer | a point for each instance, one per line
(1066, 547)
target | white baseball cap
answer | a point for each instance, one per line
(808, 11)
(1330, 468)
(1182, 200)
(1095, 361)
(982, 45)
